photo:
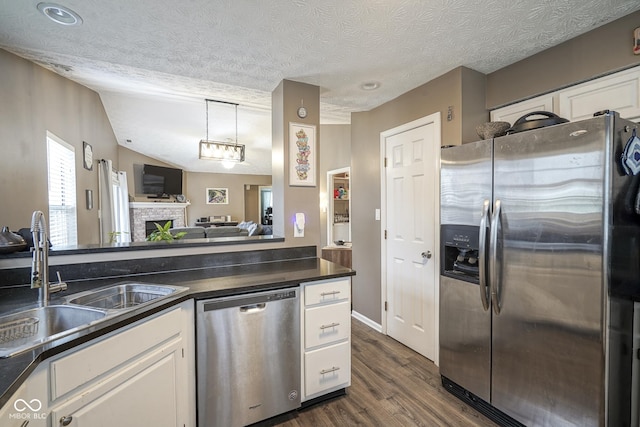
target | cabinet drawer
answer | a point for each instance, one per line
(333, 291)
(100, 358)
(327, 324)
(326, 368)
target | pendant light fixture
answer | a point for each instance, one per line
(227, 152)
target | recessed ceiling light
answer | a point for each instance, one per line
(60, 14)
(370, 86)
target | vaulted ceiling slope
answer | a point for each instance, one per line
(154, 62)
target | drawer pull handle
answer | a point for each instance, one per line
(333, 325)
(328, 371)
(326, 294)
(65, 421)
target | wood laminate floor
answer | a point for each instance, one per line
(391, 385)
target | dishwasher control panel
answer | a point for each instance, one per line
(281, 295)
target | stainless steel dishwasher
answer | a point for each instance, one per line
(248, 357)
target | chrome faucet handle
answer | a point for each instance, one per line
(57, 287)
(36, 279)
(36, 282)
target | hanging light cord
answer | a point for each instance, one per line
(236, 125)
(222, 102)
(207, 102)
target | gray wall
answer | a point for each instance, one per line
(33, 101)
(288, 200)
(198, 182)
(335, 153)
(599, 52)
(437, 95)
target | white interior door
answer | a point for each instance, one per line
(411, 211)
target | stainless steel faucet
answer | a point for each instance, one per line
(40, 263)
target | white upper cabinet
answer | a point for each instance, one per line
(513, 112)
(617, 92)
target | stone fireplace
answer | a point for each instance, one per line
(144, 214)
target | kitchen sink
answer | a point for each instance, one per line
(123, 296)
(29, 328)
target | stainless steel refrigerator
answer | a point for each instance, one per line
(540, 265)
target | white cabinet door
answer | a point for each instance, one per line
(86, 364)
(618, 92)
(141, 376)
(327, 324)
(327, 292)
(513, 112)
(148, 398)
(327, 368)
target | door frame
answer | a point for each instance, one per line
(435, 119)
(261, 208)
(330, 206)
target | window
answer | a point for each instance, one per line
(61, 162)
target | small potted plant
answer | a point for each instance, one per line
(162, 233)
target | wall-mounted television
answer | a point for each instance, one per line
(161, 181)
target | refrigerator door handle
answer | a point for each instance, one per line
(494, 277)
(482, 247)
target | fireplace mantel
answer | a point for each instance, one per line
(143, 205)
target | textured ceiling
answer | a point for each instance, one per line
(154, 62)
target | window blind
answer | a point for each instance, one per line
(62, 193)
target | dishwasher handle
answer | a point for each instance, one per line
(253, 308)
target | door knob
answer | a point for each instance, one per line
(426, 254)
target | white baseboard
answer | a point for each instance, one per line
(370, 323)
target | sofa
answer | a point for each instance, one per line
(245, 228)
(254, 229)
(209, 232)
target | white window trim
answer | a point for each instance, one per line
(63, 227)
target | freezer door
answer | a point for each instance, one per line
(465, 182)
(548, 348)
(465, 326)
(465, 337)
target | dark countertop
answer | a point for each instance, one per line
(138, 246)
(200, 283)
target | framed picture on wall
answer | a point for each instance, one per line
(302, 155)
(217, 196)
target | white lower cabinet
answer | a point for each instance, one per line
(326, 336)
(144, 394)
(140, 375)
(327, 369)
(327, 324)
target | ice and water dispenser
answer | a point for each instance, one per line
(460, 252)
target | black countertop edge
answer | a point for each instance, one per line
(200, 284)
(138, 246)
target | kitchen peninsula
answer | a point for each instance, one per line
(204, 275)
